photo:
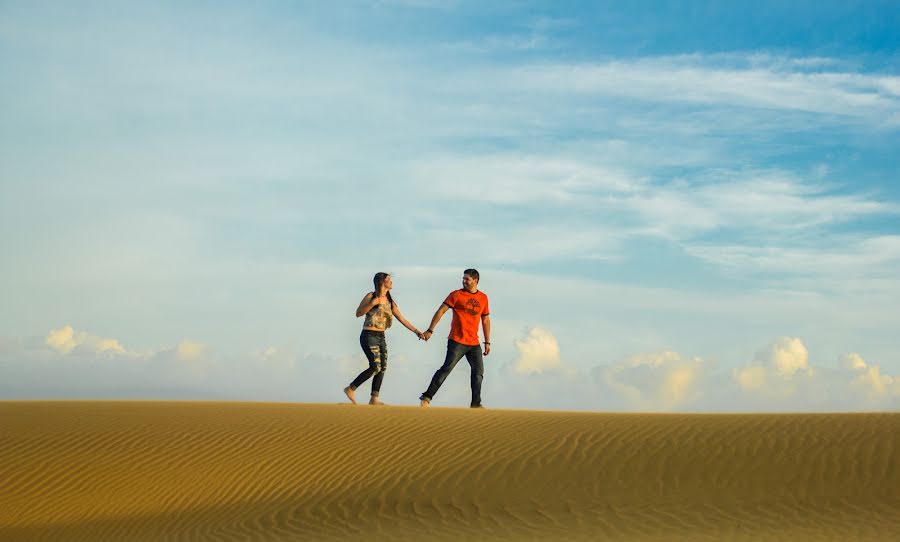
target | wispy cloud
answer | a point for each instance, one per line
(854, 257)
(516, 178)
(692, 79)
(748, 204)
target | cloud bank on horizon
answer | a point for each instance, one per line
(630, 190)
(77, 364)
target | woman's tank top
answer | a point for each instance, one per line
(379, 317)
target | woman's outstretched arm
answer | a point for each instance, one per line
(402, 320)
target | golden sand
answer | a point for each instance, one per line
(132, 471)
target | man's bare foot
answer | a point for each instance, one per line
(424, 402)
(374, 401)
(350, 394)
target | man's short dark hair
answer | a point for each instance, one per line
(472, 273)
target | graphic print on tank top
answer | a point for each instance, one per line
(379, 317)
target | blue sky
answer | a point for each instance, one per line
(674, 205)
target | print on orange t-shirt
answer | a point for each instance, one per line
(468, 308)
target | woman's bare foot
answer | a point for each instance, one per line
(350, 394)
(374, 401)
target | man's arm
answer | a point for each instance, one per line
(434, 321)
(486, 326)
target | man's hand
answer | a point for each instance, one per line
(487, 348)
(427, 335)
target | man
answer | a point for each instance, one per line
(470, 307)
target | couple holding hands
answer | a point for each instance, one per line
(469, 306)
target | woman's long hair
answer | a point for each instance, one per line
(379, 280)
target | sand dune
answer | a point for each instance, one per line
(242, 471)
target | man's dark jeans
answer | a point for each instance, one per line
(455, 352)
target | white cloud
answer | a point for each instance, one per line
(782, 378)
(754, 203)
(595, 209)
(537, 375)
(876, 383)
(523, 243)
(500, 44)
(853, 267)
(779, 369)
(69, 342)
(518, 178)
(787, 356)
(855, 257)
(751, 378)
(66, 340)
(657, 381)
(538, 352)
(696, 79)
(190, 350)
(189, 370)
(779, 200)
(852, 361)
(876, 388)
(274, 356)
(760, 200)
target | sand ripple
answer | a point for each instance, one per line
(243, 471)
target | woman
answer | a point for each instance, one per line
(379, 308)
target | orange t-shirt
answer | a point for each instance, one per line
(468, 309)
